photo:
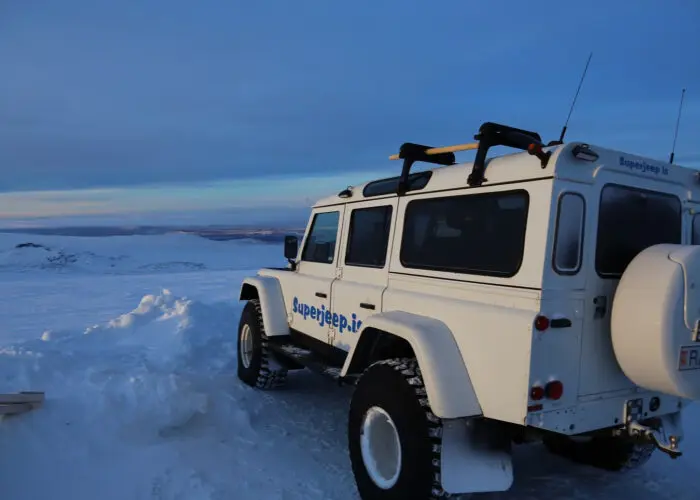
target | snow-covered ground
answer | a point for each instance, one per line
(133, 340)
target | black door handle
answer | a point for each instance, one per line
(365, 305)
(321, 295)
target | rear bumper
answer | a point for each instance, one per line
(600, 412)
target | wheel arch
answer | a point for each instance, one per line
(448, 385)
(268, 291)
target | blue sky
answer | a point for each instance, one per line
(177, 107)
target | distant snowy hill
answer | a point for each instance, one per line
(131, 254)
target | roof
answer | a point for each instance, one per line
(521, 166)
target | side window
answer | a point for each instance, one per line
(631, 220)
(481, 234)
(696, 230)
(320, 244)
(368, 237)
(568, 240)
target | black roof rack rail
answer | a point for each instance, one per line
(490, 135)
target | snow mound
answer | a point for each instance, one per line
(145, 362)
(147, 405)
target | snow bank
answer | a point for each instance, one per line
(147, 405)
(144, 363)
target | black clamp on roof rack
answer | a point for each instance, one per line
(493, 134)
(411, 153)
(490, 135)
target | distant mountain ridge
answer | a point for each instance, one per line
(212, 232)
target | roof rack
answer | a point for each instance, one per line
(490, 135)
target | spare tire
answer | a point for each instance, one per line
(654, 315)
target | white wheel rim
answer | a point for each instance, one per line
(381, 448)
(246, 346)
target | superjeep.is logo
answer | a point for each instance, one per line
(643, 166)
(325, 317)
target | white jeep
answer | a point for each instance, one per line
(548, 295)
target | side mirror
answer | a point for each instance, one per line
(291, 249)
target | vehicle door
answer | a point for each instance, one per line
(625, 216)
(363, 275)
(309, 297)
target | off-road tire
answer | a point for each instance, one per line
(610, 453)
(396, 386)
(263, 372)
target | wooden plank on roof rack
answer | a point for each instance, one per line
(22, 397)
(445, 149)
(22, 402)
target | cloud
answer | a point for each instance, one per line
(254, 194)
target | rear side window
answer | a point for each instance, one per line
(481, 234)
(568, 242)
(368, 237)
(320, 244)
(631, 220)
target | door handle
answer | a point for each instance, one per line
(321, 295)
(365, 305)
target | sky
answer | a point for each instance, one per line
(171, 107)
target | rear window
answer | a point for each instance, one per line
(631, 220)
(480, 234)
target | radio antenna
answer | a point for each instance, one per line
(573, 103)
(678, 121)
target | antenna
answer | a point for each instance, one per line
(573, 103)
(678, 121)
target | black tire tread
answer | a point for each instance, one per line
(270, 374)
(408, 368)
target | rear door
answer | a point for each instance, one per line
(363, 277)
(622, 220)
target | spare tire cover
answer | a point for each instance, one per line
(654, 315)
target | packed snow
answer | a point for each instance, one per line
(136, 352)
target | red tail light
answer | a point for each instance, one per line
(541, 323)
(536, 393)
(554, 390)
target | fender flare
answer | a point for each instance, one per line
(268, 290)
(447, 383)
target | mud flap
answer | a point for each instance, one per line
(474, 458)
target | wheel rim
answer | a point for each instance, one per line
(246, 346)
(381, 448)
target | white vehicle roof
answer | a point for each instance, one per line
(521, 166)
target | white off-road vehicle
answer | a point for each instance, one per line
(548, 295)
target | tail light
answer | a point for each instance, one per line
(536, 393)
(541, 323)
(554, 390)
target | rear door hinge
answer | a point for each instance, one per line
(338, 272)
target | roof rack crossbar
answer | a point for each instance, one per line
(490, 135)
